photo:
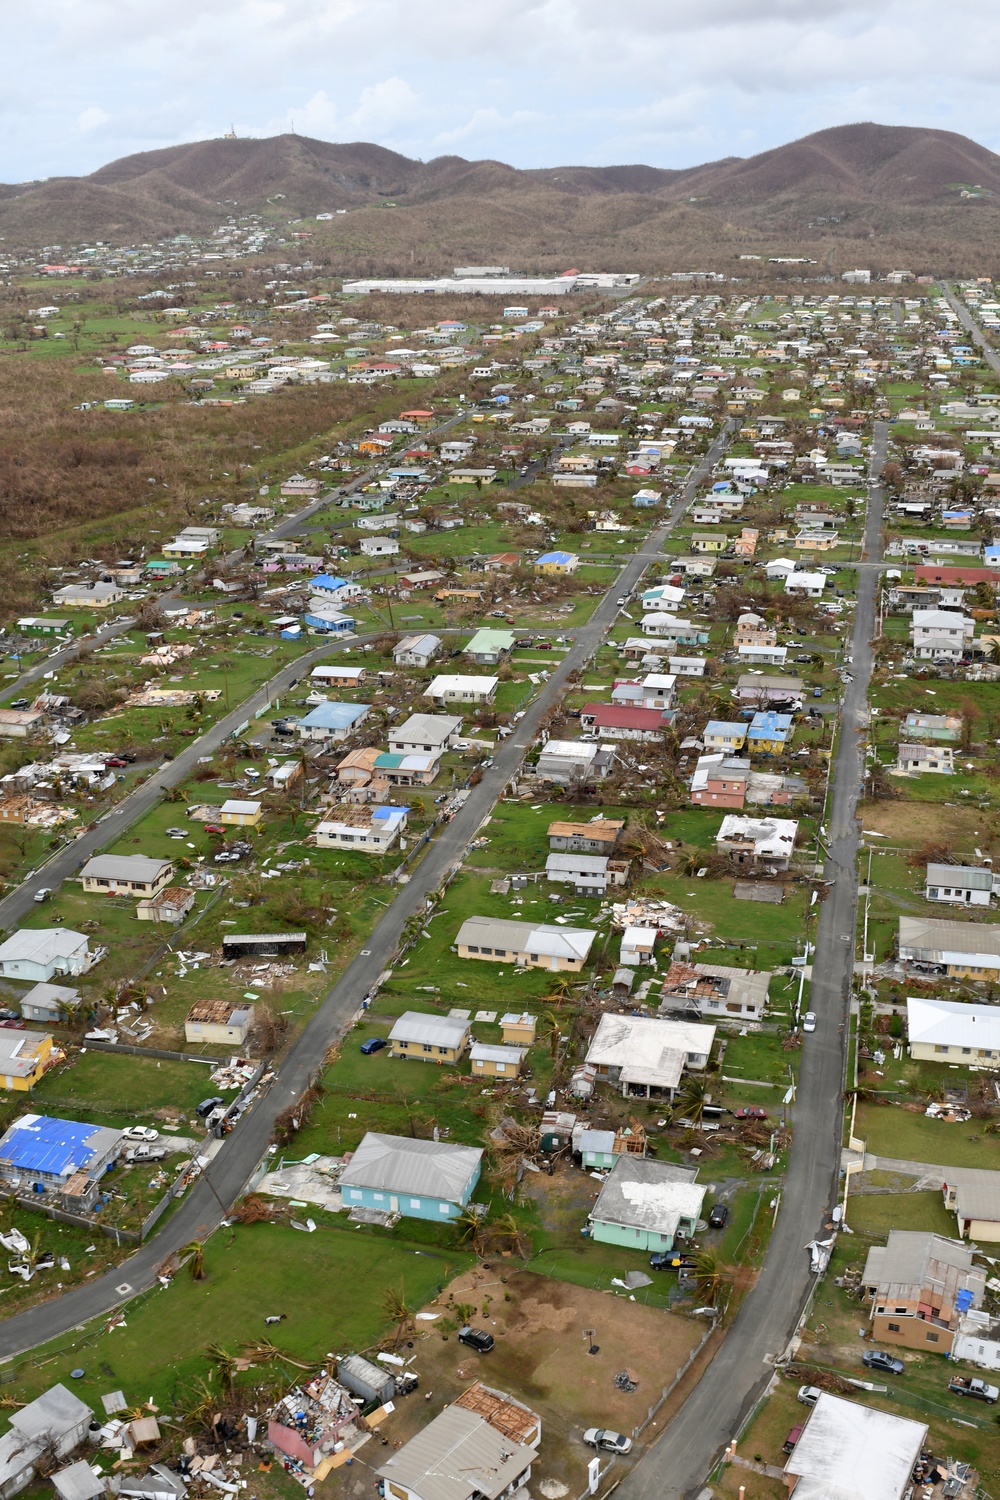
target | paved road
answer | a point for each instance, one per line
(682, 1458)
(968, 321)
(229, 1171)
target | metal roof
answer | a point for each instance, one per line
(966, 877)
(426, 1026)
(938, 941)
(41, 1143)
(432, 729)
(641, 1193)
(124, 867)
(952, 1023)
(853, 1452)
(524, 937)
(399, 1164)
(456, 1456)
(42, 945)
(335, 715)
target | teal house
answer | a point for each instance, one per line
(395, 1174)
(646, 1204)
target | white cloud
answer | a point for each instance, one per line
(92, 118)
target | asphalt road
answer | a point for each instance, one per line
(968, 321)
(213, 1194)
(678, 1464)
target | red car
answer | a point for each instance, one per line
(750, 1112)
(115, 760)
(214, 828)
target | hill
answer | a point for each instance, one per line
(895, 190)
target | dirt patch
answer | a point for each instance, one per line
(912, 824)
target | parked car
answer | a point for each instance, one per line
(792, 1438)
(809, 1394)
(116, 761)
(669, 1260)
(719, 1216)
(605, 1437)
(477, 1339)
(373, 1044)
(43, 894)
(214, 828)
(877, 1359)
(750, 1112)
(145, 1153)
(141, 1133)
(207, 1105)
(809, 1021)
(8, 1015)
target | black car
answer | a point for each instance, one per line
(207, 1105)
(669, 1260)
(719, 1216)
(476, 1339)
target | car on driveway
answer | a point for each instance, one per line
(477, 1339)
(605, 1437)
(145, 1153)
(719, 1216)
(750, 1112)
(373, 1044)
(141, 1133)
(877, 1359)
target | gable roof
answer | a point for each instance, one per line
(399, 1164)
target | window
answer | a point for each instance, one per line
(442, 1208)
(470, 949)
(933, 1338)
(428, 1047)
(414, 1202)
(443, 1051)
(940, 1049)
(892, 1327)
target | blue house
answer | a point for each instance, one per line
(56, 1160)
(328, 619)
(332, 721)
(334, 589)
(395, 1174)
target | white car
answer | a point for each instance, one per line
(141, 1133)
(809, 1021)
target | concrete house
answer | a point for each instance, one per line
(481, 1447)
(938, 633)
(495, 1060)
(953, 1031)
(416, 650)
(597, 837)
(565, 761)
(225, 1022)
(557, 563)
(40, 953)
(430, 734)
(916, 760)
(853, 1451)
(239, 812)
(758, 843)
(126, 875)
(646, 1204)
(724, 735)
(624, 721)
(960, 950)
(959, 885)
(769, 733)
(332, 721)
(24, 1057)
(646, 1056)
(65, 1158)
(918, 726)
(525, 944)
(806, 585)
(720, 780)
(396, 1174)
(457, 689)
(368, 830)
(379, 546)
(406, 770)
(88, 595)
(488, 647)
(588, 874)
(716, 990)
(917, 1285)
(52, 1425)
(50, 1003)
(430, 1037)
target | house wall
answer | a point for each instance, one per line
(410, 1206)
(633, 1239)
(980, 1229)
(969, 1056)
(489, 1069)
(241, 820)
(911, 1333)
(524, 960)
(214, 1031)
(427, 1051)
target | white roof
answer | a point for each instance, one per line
(495, 1052)
(770, 836)
(952, 1023)
(853, 1452)
(642, 1193)
(460, 684)
(571, 943)
(432, 729)
(581, 750)
(648, 1049)
(240, 807)
(588, 864)
(41, 945)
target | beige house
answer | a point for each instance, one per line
(241, 814)
(493, 1060)
(225, 1022)
(517, 1029)
(912, 1284)
(172, 904)
(126, 875)
(429, 1037)
(526, 945)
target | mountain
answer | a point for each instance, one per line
(894, 190)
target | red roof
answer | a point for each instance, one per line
(930, 573)
(621, 716)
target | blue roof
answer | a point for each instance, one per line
(335, 715)
(390, 814)
(324, 581)
(40, 1143)
(555, 557)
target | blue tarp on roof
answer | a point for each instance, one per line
(326, 584)
(40, 1143)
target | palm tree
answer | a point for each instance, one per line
(551, 1028)
(194, 1253)
(692, 1098)
(395, 1307)
(224, 1363)
(708, 1275)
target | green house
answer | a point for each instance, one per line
(646, 1204)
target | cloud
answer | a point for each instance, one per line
(92, 118)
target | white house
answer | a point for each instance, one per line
(379, 546)
(806, 585)
(425, 733)
(369, 830)
(940, 633)
(643, 1054)
(39, 954)
(416, 650)
(959, 885)
(458, 689)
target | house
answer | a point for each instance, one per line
(975, 1201)
(854, 1452)
(172, 904)
(57, 1160)
(332, 721)
(416, 650)
(525, 944)
(665, 626)
(915, 760)
(959, 885)
(816, 541)
(395, 1174)
(716, 990)
(517, 1028)
(50, 1003)
(339, 676)
(769, 733)
(325, 619)
(297, 485)
(481, 1447)
(621, 721)
(709, 542)
(406, 770)
(917, 1286)
(493, 1060)
(953, 1031)
(557, 563)
(237, 812)
(41, 953)
(765, 656)
(88, 595)
(334, 590)
(638, 945)
(806, 585)
(687, 666)
(762, 689)
(918, 726)
(940, 633)
(125, 875)
(458, 689)
(961, 950)
(720, 780)
(42, 625)
(758, 843)
(724, 735)
(225, 1022)
(368, 830)
(646, 1204)
(602, 1148)
(565, 761)
(645, 1056)
(487, 647)
(379, 546)
(588, 874)
(50, 1427)
(753, 630)
(597, 837)
(429, 733)
(18, 723)
(24, 1057)
(429, 1037)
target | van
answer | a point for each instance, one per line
(792, 1438)
(206, 1106)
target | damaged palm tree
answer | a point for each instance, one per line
(513, 1144)
(643, 842)
(395, 1307)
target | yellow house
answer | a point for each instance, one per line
(517, 1029)
(126, 875)
(525, 945)
(494, 1061)
(709, 541)
(557, 562)
(224, 1022)
(430, 1037)
(24, 1057)
(816, 541)
(241, 814)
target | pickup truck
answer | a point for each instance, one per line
(975, 1387)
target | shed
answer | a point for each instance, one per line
(365, 1379)
(496, 1061)
(78, 1482)
(263, 944)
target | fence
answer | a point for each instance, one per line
(678, 1377)
(136, 1051)
(64, 1216)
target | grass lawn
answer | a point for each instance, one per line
(114, 1088)
(876, 1213)
(888, 1130)
(773, 931)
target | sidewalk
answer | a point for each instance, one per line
(931, 1174)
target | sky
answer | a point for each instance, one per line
(531, 82)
